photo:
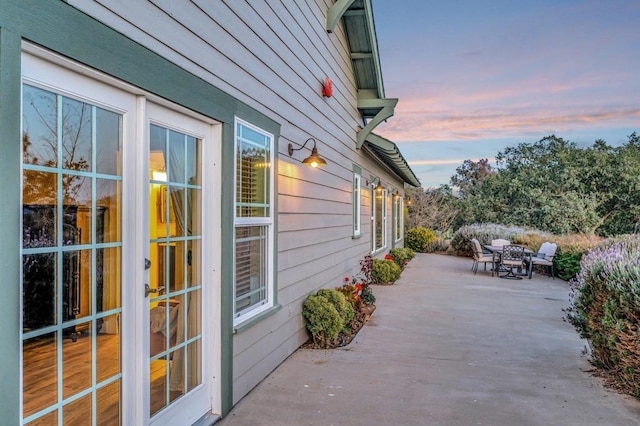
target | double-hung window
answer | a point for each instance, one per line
(356, 203)
(379, 219)
(253, 224)
(398, 218)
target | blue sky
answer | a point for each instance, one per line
(474, 77)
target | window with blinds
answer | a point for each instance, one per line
(356, 204)
(379, 219)
(253, 221)
(253, 173)
(251, 268)
(398, 217)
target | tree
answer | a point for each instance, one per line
(556, 186)
(621, 209)
(469, 175)
(434, 208)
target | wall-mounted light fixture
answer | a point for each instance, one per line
(378, 184)
(314, 160)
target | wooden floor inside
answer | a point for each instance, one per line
(40, 379)
(41, 384)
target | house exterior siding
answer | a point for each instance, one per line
(259, 60)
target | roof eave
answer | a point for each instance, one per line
(390, 155)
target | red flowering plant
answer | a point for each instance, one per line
(351, 290)
(357, 289)
(364, 279)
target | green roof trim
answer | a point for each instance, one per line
(380, 109)
(389, 154)
(360, 30)
(336, 12)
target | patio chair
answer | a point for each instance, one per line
(512, 258)
(500, 242)
(544, 257)
(480, 257)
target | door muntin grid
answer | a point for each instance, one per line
(71, 190)
(175, 224)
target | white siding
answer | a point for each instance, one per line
(274, 56)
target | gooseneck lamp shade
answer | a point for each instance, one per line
(314, 160)
(379, 186)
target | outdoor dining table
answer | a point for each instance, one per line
(498, 250)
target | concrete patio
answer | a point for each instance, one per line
(446, 347)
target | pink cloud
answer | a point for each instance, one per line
(435, 125)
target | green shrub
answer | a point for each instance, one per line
(385, 271)
(571, 248)
(401, 255)
(605, 308)
(567, 263)
(419, 239)
(324, 322)
(339, 301)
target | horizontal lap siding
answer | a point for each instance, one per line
(274, 56)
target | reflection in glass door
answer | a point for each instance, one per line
(71, 254)
(175, 289)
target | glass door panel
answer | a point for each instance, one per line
(175, 328)
(71, 248)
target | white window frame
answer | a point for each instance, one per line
(374, 219)
(398, 218)
(357, 204)
(265, 221)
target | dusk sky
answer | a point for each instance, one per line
(476, 76)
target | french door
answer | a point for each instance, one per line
(118, 283)
(178, 381)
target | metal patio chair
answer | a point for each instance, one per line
(512, 258)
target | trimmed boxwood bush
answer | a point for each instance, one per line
(420, 240)
(339, 301)
(605, 309)
(324, 322)
(385, 271)
(401, 255)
